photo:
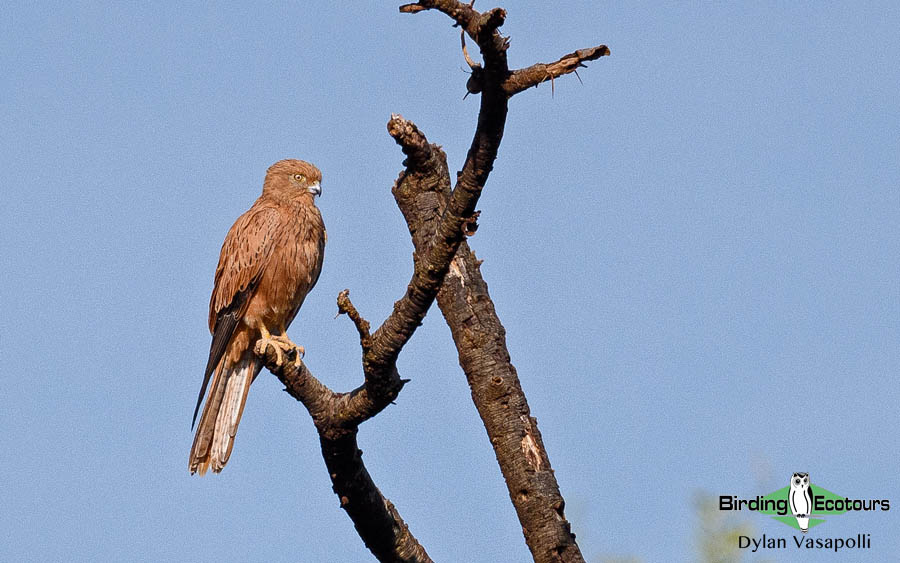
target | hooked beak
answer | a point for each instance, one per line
(315, 189)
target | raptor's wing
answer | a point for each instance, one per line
(245, 254)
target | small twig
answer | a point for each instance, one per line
(462, 38)
(345, 306)
(412, 8)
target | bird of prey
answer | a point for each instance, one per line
(270, 260)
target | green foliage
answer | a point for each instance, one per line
(717, 532)
(716, 535)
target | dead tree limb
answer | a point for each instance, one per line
(337, 416)
(423, 194)
(525, 78)
(422, 191)
(439, 220)
(375, 518)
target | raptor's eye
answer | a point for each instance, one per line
(796, 481)
(299, 177)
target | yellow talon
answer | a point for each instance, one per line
(264, 343)
(282, 345)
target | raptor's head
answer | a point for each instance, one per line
(291, 177)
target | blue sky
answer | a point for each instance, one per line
(695, 255)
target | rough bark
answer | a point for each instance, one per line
(337, 416)
(423, 194)
(444, 268)
(422, 191)
(375, 518)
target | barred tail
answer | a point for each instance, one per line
(222, 414)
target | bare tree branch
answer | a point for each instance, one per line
(375, 518)
(337, 416)
(345, 307)
(439, 221)
(449, 233)
(525, 78)
(422, 193)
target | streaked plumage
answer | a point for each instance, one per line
(270, 260)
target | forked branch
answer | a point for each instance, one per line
(422, 192)
(439, 221)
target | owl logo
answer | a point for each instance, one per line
(800, 497)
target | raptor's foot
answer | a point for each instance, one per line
(291, 349)
(262, 345)
(282, 345)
